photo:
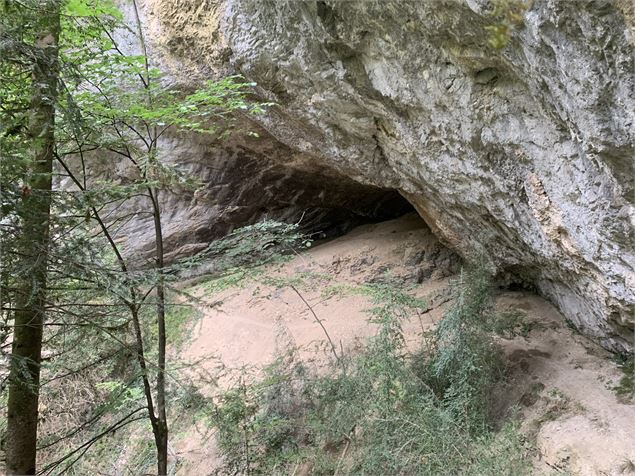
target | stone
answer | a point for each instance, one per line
(413, 256)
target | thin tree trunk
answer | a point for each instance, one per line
(158, 422)
(22, 407)
(161, 427)
(161, 435)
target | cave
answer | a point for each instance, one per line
(243, 182)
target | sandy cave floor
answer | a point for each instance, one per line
(561, 382)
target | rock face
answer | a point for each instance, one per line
(246, 182)
(523, 155)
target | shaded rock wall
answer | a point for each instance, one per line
(524, 155)
(246, 182)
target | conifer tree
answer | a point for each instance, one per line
(39, 54)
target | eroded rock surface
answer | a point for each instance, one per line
(245, 182)
(524, 154)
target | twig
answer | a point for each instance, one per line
(337, 358)
(85, 446)
(339, 462)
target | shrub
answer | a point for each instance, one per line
(464, 362)
(383, 410)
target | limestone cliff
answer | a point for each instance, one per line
(523, 154)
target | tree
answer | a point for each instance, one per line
(112, 104)
(129, 111)
(34, 214)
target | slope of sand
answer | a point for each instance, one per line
(559, 382)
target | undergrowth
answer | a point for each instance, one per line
(233, 278)
(246, 249)
(384, 410)
(81, 405)
(625, 389)
(243, 256)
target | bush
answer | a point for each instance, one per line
(382, 411)
(464, 362)
(260, 425)
(244, 248)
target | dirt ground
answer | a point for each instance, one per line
(560, 384)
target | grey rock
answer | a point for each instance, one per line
(241, 183)
(424, 273)
(413, 256)
(523, 155)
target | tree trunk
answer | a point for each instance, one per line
(161, 433)
(160, 426)
(22, 407)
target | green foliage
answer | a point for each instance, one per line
(126, 395)
(119, 102)
(113, 106)
(385, 411)
(299, 280)
(390, 301)
(259, 241)
(91, 8)
(507, 15)
(465, 361)
(240, 255)
(256, 423)
(626, 387)
(180, 318)
(233, 278)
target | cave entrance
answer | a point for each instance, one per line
(325, 203)
(242, 185)
(349, 207)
